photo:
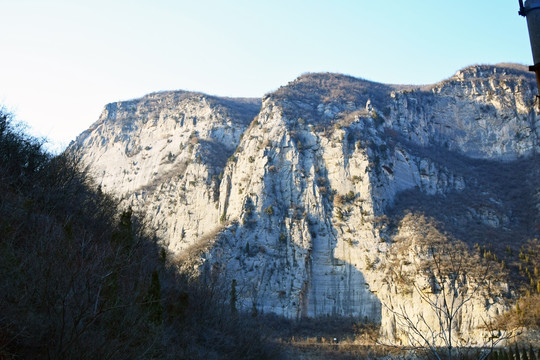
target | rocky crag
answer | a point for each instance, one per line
(299, 196)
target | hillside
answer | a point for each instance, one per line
(301, 198)
(83, 278)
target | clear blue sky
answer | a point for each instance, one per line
(62, 61)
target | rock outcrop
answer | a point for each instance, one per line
(165, 154)
(299, 196)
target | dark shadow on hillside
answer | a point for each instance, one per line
(82, 279)
(215, 154)
(496, 208)
(243, 109)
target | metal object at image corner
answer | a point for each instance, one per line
(531, 11)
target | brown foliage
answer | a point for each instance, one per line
(446, 275)
(79, 279)
(524, 314)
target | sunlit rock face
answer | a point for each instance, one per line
(298, 196)
(164, 154)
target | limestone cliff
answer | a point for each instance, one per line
(164, 154)
(300, 196)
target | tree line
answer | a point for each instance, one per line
(82, 278)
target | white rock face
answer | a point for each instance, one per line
(164, 154)
(298, 198)
(488, 108)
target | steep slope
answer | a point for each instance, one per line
(164, 153)
(68, 259)
(304, 212)
(81, 279)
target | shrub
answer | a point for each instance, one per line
(81, 279)
(339, 200)
(378, 120)
(74, 270)
(269, 210)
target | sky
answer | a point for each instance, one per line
(62, 60)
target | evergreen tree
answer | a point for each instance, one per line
(124, 236)
(532, 356)
(183, 305)
(153, 299)
(254, 311)
(524, 356)
(234, 297)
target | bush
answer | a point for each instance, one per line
(269, 210)
(81, 279)
(73, 268)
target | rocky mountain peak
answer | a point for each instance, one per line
(296, 197)
(484, 72)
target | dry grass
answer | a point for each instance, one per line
(189, 259)
(524, 314)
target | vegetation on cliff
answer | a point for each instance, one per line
(82, 279)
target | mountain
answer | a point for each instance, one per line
(301, 197)
(81, 279)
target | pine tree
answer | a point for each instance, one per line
(124, 236)
(233, 297)
(182, 307)
(532, 356)
(153, 299)
(254, 311)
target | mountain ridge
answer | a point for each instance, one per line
(291, 198)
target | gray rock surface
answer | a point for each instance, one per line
(298, 196)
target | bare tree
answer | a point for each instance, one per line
(445, 277)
